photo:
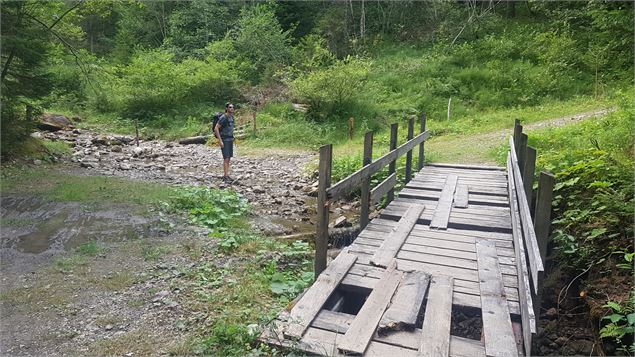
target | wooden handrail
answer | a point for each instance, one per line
(531, 242)
(328, 193)
(355, 179)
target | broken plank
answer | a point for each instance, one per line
(460, 196)
(389, 248)
(497, 326)
(339, 322)
(310, 304)
(435, 334)
(406, 305)
(363, 327)
(442, 213)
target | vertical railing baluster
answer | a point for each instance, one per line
(365, 200)
(324, 182)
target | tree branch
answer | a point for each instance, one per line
(73, 51)
(65, 13)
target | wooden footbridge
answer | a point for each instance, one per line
(452, 266)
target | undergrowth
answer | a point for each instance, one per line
(593, 212)
(245, 278)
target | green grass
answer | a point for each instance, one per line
(60, 186)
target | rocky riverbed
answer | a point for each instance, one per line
(277, 185)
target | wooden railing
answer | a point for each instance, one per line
(362, 177)
(530, 235)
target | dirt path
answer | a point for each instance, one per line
(478, 148)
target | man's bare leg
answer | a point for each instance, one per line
(226, 167)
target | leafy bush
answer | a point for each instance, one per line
(621, 324)
(152, 84)
(210, 207)
(334, 91)
(594, 199)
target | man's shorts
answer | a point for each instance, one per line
(228, 149)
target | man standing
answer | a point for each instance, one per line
(224, 131)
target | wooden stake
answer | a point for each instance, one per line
(368, 158)
(322, 237)
(393, 165)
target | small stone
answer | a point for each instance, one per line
(258, 189)
(108, 327)
(561, 340)
(551, 313)
(124, 166)
(37, 162)
(340, 221)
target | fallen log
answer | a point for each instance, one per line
(202, 139)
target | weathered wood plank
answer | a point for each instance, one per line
(414, 243)
(471, 167)
(497, 326)
(435, 177)
(322, 225)
(380, 190)
(309, 305)
(528, 172)
(393, 164)
(365, 199)
(397, 209)
(457, 220)
(391, 245)
(339, 322)
(422, 145)
(464, 171)
(473, 199)
(531, 242)
(474, 189)
(363, 327)
(323, 343)
(542, 214)
(411, 130)
(528, 319)
(435, 332)
(460, 196)
(406, 304)
(386, 225)
(437, 269)
(460, 285)
(442, 213)
(461, 297)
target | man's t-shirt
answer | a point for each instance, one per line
(226, 123)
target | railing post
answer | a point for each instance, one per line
(542, 219)
(393, 165)
(368, 158)
(421, 146)
(518, 130)
(324, 182)
(528, 173)
(522, 152)
(411, 131)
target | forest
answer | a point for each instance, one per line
(308, 73)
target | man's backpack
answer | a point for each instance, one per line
(216, 119)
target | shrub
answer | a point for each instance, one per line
(153, 84)
(332, 91)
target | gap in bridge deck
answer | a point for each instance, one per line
(466, 322)
(347, 300)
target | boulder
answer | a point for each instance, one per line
(55, 122)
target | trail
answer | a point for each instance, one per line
(476, 148)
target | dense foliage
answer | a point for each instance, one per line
(593, 209)
(167, 62)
